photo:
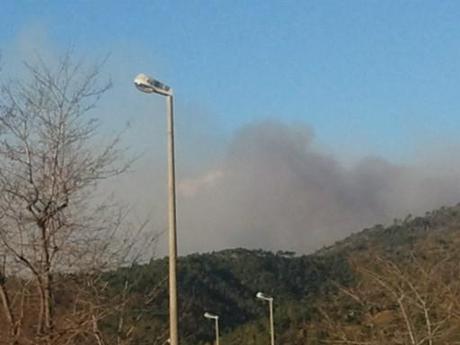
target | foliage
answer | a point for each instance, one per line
(350, 288)
(226, 283)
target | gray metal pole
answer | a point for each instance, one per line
(173, 322)
(272, 325)
(217, 331)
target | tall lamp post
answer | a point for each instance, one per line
(269, 299)
(216, 319)
(149, 85)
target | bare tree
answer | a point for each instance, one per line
(412, 301)
(53, 223)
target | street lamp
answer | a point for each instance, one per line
(147, 84)
(269, 299)
(216, 319)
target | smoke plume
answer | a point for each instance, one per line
(274, 190)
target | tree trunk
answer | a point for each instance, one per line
(8, 309)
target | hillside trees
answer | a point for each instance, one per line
(56, 232)
(413, 300)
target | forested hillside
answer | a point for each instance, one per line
(385, 285)
(226, 283)
(407, 286)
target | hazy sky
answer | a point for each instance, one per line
(360, 78)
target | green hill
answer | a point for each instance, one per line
(226, 283)
(402, 234)
(309, 290)
(385, 285)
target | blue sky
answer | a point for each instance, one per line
(370, 77)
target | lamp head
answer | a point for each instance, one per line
(210, 316)
(148, 84)
(261, 295)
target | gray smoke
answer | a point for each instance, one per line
(274, 190)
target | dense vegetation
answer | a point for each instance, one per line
(226, 283)
(338, 294)
(386, 285)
